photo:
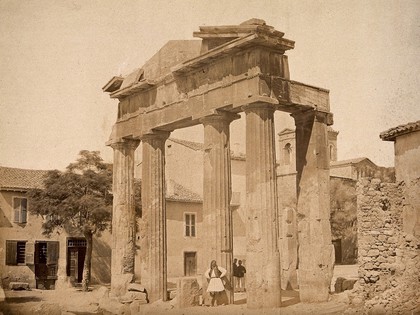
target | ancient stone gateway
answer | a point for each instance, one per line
(233, 69)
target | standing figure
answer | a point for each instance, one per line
(235, 275)
(214, 275)
(241, 271)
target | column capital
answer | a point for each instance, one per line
(123, 143)
(319, 116)
(261, 105)
(219, 116)
(156, 135)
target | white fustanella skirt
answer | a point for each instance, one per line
(215, 285)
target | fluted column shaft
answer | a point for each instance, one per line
(263, 261)
(217, 192)
(154, 252)
(123, 216)
(316, 252)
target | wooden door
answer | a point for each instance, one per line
(190, 263)
(74, 263)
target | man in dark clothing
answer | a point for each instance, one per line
(235, 275)
(241, 271)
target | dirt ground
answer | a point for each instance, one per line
(74, 301)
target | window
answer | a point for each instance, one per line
(189, 224)
(15, 252)
(287, 151)
(332, 157)
(20, 206)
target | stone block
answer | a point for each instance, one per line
(19, 286)
(348, 284)
(120, 283)
(188, 292)
(102, 292)
(47, 309)
(132, 296)
(338, 286)
(136, 307)
(113, 306)
(373, 252)
(136, 287)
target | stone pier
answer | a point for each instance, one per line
(263, 283)
(217, 192)
(154, 215)
(316, 252)
(123, 216)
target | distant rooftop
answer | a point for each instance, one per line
(180, 193)
(20, 179)
(198, 146)
(350, 161)
(400, 130)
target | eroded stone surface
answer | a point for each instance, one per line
(188, 292)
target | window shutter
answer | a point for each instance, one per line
(30, 253)
(193, 225)
(11, 253)
(52, 252)
(16, 207)
(23, 208)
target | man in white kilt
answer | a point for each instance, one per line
(214, 275)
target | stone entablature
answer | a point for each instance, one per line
(246, 70)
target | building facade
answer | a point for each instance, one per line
(26, 255)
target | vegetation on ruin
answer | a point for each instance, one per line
(344, 216)
(78, 200)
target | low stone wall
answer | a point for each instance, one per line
(389, 273)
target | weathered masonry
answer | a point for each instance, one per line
(233, 69)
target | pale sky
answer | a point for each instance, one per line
(55, 56)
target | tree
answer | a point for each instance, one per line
(78, 199)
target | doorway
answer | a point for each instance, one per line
(190, 263)
(337, 249)
(76, 251)
(46, 262)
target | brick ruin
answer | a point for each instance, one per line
(389, 274)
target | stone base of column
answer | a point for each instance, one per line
(119, 283)
(315, 272)
(263, 287)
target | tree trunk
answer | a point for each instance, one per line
(88, 261)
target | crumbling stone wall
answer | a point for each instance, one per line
(389, 272)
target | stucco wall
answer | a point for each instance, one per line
(184, 166)
(341, 171)
(407, 156)
(31, 232)
(177, 242)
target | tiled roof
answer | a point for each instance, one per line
(20, 179)
(197, 146)
(400, 130)
(177, 192)
(350, 161)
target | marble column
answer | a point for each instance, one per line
(217, 192)
(316, 252)
(153, 249)
(263, 260)
(123, 216)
